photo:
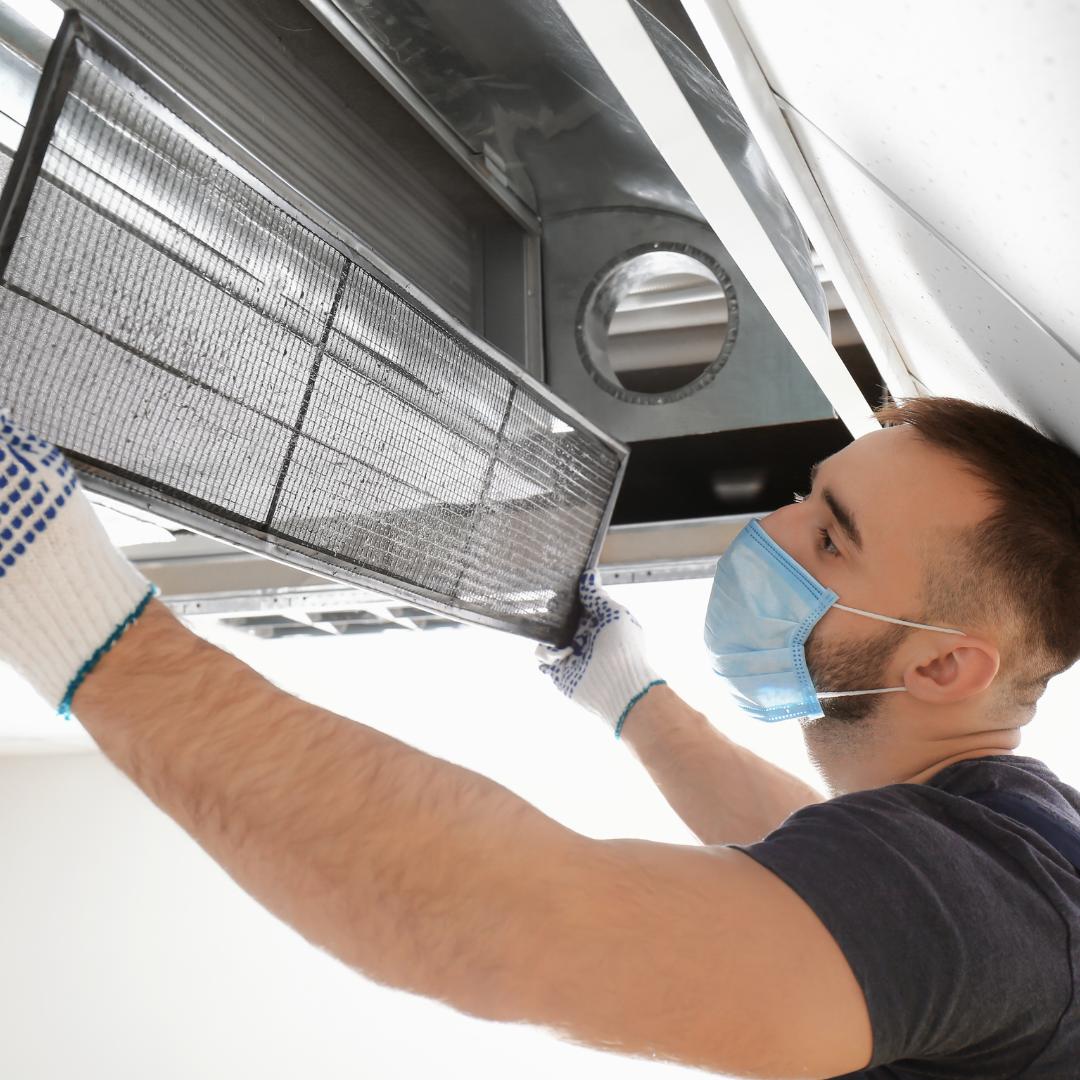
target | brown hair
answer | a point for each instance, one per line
(1017, 573)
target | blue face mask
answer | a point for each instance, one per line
(761, 611)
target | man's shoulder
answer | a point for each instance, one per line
(933, 898)
(1016, 773)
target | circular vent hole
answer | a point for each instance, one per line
(656, 321)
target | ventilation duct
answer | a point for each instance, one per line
(514, 84)
(201, 348)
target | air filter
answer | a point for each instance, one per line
(200, 347)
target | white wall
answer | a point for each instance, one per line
(127, 954)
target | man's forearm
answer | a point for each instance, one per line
(400, 864)
(725, 793)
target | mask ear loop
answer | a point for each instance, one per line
(859, 693)
(888, 619)
(899, 622)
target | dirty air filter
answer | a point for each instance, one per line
(200, 347)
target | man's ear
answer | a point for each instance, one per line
(961, 668)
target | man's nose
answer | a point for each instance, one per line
(783, 528)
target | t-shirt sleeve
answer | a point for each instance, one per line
(958, 952)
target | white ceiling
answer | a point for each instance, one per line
(942, 137)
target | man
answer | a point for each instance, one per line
(898, 927)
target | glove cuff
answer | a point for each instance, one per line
(69, 594)
(616, 685)
(633, 701)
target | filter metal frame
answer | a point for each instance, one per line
(56, 81)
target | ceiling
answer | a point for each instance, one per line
(943, 140)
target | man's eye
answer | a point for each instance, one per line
(826, 543)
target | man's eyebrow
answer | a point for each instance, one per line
(844, 517)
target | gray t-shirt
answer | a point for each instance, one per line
(961, 925)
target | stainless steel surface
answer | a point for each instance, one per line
(512, 316)
(23, 49)
(522, 93)
(280, 599)
(755, 379)
(679, 570)
(278, 83)
(637, 67)
(480, 262)
(667, 550)
(24, 38)
(515, 82)
(20, 76)
(485, 167)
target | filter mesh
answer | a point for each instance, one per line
(173, 323)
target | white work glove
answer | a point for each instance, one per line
(66, 593)
(604, 669)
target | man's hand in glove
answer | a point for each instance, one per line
(604, 669)
(66, 592)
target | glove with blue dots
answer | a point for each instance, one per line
(604, 668)
(66, 592)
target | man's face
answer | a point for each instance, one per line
(873, 516)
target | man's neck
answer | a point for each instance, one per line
(856, 757)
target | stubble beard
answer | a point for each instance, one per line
(848, 726)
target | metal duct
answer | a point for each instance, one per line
(267, 73)
(510, 84)
(200, 347)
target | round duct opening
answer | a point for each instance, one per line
(657, 324)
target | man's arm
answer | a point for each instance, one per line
(725, 793)
(431, 878)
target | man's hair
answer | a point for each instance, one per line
(1015, 575)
